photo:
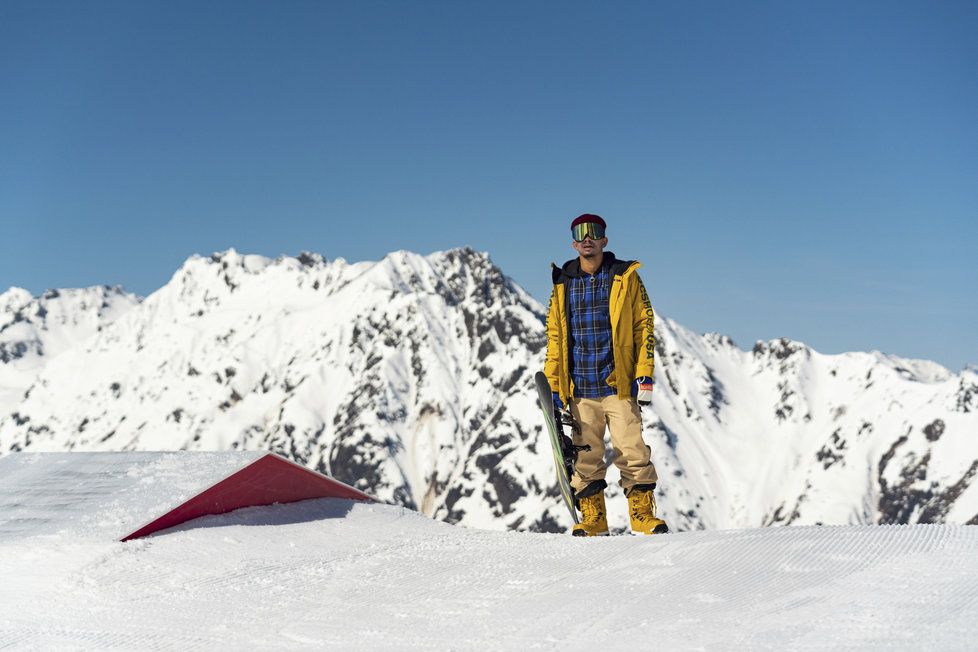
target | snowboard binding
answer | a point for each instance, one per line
(568, 448)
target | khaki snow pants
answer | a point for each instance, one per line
(632, 457)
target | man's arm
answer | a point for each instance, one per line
(643, 331)
(551, 367)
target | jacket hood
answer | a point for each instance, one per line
(572, 268)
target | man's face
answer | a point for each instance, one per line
(589, 248)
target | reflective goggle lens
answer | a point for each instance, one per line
(587, 229)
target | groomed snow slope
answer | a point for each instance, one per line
(328, 573)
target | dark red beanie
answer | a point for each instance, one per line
(588, 217)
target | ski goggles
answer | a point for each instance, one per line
(587, 230)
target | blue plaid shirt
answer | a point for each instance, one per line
(592, 358)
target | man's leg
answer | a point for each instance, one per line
(590, 466)
(633, 459)
(588, 481)
(632, 456)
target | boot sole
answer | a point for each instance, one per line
(582, 533)
(658, 529)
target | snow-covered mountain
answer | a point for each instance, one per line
(411, 379)
(34, 330)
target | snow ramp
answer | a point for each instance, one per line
(129, 495)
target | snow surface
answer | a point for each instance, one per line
(334, 574)
(413, 376)
(103, 495)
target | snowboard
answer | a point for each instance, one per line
(562, 445)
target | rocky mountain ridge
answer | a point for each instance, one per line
(410, 378)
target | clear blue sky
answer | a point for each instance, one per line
(807, 170)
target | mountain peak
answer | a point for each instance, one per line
(781, 348)
(923, 371)
(14, 299)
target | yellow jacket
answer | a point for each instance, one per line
(632, 334)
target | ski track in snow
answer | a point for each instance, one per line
(333, 574)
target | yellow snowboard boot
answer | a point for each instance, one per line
(641, 510)
(594, 516)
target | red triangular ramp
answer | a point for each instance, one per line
(268, 480)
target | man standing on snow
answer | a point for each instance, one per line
(600, 357)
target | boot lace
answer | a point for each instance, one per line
(589, 510)
(644, 507)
